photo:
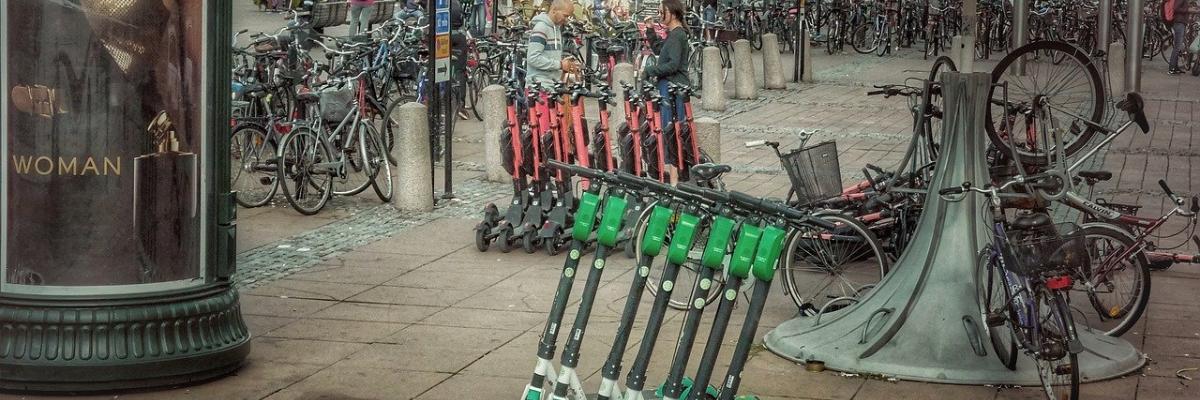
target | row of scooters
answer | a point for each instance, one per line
(539, 129)
(740, 235)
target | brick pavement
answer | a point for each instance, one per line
(384, 305)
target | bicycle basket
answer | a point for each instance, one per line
(336, 102)
(814, 172)
(1053, 248)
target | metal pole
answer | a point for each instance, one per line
(1133, 51)
(1104, 25)
(431, 92)
(1021, 29)
(798, 45)
(449, 112)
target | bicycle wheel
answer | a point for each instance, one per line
(864, 38)
(1119, 289)
(252, 160)
(306, 187)
(1062, 97)
(993, 311)
(754, 32)
(688, 272)
(822, 265)
(696, 67)
(478, 80)
(377, 163)
(355, 176)
(885, 41)
(1057, 364)
(391, 127)
(936, 106)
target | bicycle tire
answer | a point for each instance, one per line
(478, 81)
(863, 39)
(1060, 313)
(1096, 97)
(357, 176)
(299, 151)
(250, 145)
(687, 273)
(992, 297)
(1131, 311)
(696, 67)
(802, 243)
(377, 161)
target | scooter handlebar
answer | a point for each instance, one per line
(575, 170)
(715, 196)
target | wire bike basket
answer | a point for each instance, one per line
(1053, 248)
(814, 171)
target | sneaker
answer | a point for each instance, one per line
(1174, 71)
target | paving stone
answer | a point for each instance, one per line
(1150, 387)
(290, 351)
(377, 312)
(299, 289)
(261, 324)
(337, 330)
(340, 382)
(411, 296)
(464, 386)
(280, 307)
(476, 318)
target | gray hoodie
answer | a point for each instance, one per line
(543, 57)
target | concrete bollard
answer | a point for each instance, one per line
(495, 117)
(1116, 68)
(714, 80)
(772, 66)
(968, 54)
(708, 137)
(413, 175)
(622, 72)
(743, 69)
(807, 74)
(955, 52)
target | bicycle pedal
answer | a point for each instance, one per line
(267, 180)
(995, 319)
(1064, 369)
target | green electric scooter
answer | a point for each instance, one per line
(585, 220)
(606, 240)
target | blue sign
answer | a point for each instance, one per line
(441, 4)
(442, 25)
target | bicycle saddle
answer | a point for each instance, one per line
(1135, 106)
(709, 171)
(1032, 221)
(1098, 176)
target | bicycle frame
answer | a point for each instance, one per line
(633, 118)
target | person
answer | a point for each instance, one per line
(544, 61)
(458, 56)
(360, 15)
(671, 68)
(411, 9)
(1179, 30)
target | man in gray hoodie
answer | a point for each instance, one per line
(544, 62)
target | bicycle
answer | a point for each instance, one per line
(1023, 280)
(308, 165)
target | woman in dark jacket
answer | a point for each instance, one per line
(671, 68)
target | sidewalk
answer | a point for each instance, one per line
(362, 302)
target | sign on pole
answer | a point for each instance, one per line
(442, 42)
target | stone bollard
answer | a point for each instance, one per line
(955, 52)
(708, 137)
(714, 80)
(743, 69)
(968, 55)
(622, 72)
(1116, 68)
(495, 117)
(772, 66)
(413, 174)
(807, 74)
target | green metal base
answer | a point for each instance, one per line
(109, 344)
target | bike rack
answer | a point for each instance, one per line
(930, 296)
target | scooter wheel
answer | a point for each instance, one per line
(505, 239)
(529, 241)
(551, 246)
(481, 239)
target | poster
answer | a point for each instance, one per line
(103, 128)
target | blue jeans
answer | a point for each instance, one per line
(360, 17)
(1179, 29)
(669, 108)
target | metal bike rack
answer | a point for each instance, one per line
(922, 321)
